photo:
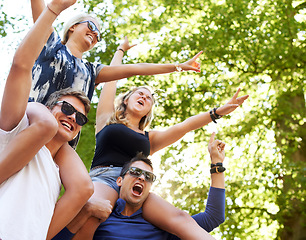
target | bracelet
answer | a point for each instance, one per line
(120, 49)
(219, 164)
(217, 170)
(178, 68)
(214, 115)
(52, 10)
(217, 116)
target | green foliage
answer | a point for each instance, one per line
(86, 145)
(256, 45)
(4, 20)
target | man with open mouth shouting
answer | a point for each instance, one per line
(135, 182)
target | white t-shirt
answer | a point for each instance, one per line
(28, 198)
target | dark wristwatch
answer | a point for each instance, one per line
(217, 169)
(218, 164)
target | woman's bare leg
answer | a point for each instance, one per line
(171, 219)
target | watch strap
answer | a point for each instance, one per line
(217, 170)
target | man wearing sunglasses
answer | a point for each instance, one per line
(135, 181)
(32, 138)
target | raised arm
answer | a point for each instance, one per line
(78, 189)
(18, 84)
(161, 139)
(217, 155)
(110, 73)
(38, 7)
(42, 128)
(105, 106)
(214, 214)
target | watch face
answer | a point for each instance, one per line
(217, 170)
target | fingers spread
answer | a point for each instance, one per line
(233, 105)
(197, 55)
(236, 94)
(244, 97)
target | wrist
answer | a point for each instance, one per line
(217, 168)
(216, 159)
(52, 9)
(88, 209)
(216, 164)
(177, 67)
(120, 49)
(213, 115)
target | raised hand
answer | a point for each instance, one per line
(192, 64)
(232, 104)
(57, 6)
(216, 149)
(126, 44)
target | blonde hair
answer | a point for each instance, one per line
(120, 107)
(76, 19)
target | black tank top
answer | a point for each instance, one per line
(117, 144)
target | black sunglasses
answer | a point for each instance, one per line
(137, 172)
(68, 110)
(92, 27)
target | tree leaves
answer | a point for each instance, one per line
(256, 45)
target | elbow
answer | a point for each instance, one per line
(47, 127)
(181, 217)
(42, 119)
(90, 189)
(81, 193)
(219, 221)
(86, 191)
(222, 220)
(20, 65)
(215, 222)
(78, 196)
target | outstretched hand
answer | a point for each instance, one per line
(57, 6)
(126, 44)
(192, 64)
(216, 149)
(232, 104)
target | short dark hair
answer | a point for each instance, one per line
(54, 97)
(139, 157)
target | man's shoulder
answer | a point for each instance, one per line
(118, 226)
(6, 136)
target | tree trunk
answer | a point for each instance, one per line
(290, 137)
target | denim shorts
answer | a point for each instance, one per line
(106, 175)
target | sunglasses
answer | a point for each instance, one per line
(92, 27)
(68, 110)
(137, 172)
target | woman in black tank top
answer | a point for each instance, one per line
(128, 119)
